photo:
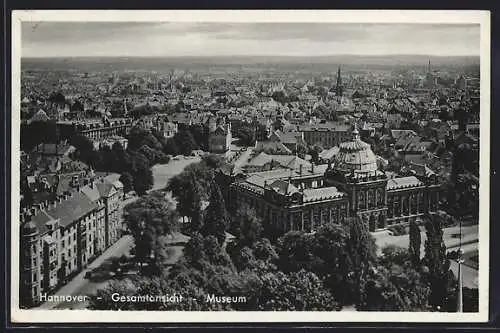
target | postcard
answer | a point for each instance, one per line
(250, 166)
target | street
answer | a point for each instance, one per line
(469, 234)
(469, 244)
(81, 286)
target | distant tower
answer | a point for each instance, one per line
(125, 106)
(430, 79)
(339, 89)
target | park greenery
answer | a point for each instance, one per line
(335, 266)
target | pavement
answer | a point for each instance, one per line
(469, 235)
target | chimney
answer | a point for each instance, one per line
(312, 167)
(300, 169)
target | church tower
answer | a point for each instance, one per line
(339, 89)
(430, 78)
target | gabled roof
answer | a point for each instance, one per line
(403, 182)
(324, 193)
(270, 147)
(105, 188)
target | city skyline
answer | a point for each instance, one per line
(181, 39)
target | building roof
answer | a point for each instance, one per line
(105, 188)
(290, 138)
(272, 147)
(72, 209)
(355, 155)
(60, 149)
(328, 154)
(328, 126)
(403, 182)
(283, 187)
(91, 192)
(324, 193)
(40, 115)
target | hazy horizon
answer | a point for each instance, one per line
(202, 39)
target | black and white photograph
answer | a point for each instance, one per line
(184, 166)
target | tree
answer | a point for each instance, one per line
(438, 264)
(170, 147)
(247, 227)
(393, 288)
(185, 142)
(299, 291)
(57, 98)
(77, 106)
(162, 254)
(246, 134)
(143, 180)
(393, 254)
(296, 252)
(194, 208)
(301, 150)
(216, 219)
(139, 137)
(85, 149)
(153, 287)
(314, 152)
(38, 132)
(149, 218)
(362, 251)
(128, 181)
(415, 243)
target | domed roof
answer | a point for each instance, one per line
(355, 155)
(29, 228)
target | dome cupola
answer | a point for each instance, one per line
(355, 155)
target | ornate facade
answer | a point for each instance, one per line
(350, 185)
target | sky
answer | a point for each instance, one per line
(164, 39)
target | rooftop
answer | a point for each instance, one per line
(324, 193)
(403, 182)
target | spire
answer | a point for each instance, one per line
(338, 88)
(355, 133)
(429, 67)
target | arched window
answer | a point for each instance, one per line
(413, 204)
(380, 198)
(404, 201)
(371, 198)
(361, 200)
